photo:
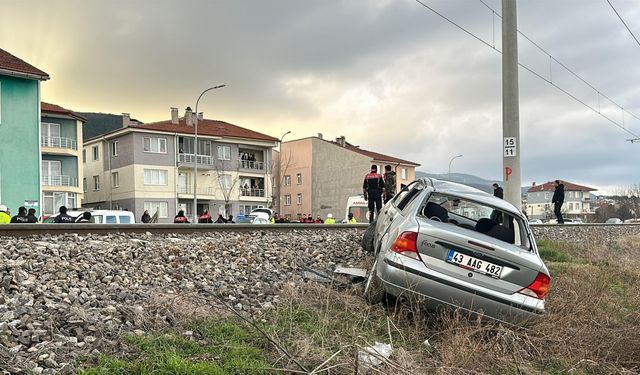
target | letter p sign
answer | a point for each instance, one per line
(507, 173)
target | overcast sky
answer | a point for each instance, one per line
(388, 74)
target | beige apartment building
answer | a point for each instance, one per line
(316, 176)
(151, 167)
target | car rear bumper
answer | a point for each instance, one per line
(404, 276)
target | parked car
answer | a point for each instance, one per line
(451, 245)
(100, 216)
(535, 221)
(263, 210)
(252, 219)
(613, 220)
(566, 221)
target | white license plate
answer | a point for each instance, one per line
(474, 264)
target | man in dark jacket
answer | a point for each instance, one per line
(373, 189)
(497, 191)
(63, 218)
(32, 216)
(146, 218)
(21, 217)
(558, 200)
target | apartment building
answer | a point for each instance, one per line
(61, 164)
(19, 129)
(316, 176)
(151, 167)
(577, 201)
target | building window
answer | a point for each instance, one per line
(162, 208)
(578, 207)
(155, 177)
(287, 200)
(299, 178)
(225, 181)
(403, 173)
(546, 196)
(96, 153)
(53, 200)
(114, 148)
(287, 180)
(115, 179)
(570, 206)
(155, 145)
(299, 198)
(84, 156)
(224, 153)
(96, 183)
(84, 184)
(247, 208)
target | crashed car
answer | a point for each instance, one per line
(448, 244)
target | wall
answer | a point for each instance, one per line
(337, 174)
(148, 158)
(295, 157)
(19, 136)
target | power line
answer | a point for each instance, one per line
(624, 23)
(550, 79)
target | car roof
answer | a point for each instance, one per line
(464, 191)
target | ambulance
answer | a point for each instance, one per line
(359, 208)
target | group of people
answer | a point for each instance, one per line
(378, 189)
(205, 218)
(248, 159)
(24, 216)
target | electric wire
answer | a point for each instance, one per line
(530, 70)
(624, 23)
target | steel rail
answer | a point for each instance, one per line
(19, 230)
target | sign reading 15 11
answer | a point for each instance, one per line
(509, 147)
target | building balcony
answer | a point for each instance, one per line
(188, 190)
(59, 142)
(205, 160)
(253, 165)
(60, 180)
(250, 192)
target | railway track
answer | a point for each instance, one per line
(19, 230)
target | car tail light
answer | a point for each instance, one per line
(539, 287)
(406, 244)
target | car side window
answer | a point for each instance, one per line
(409, 197)
(125, 220)
(403, 193)
(111, 220)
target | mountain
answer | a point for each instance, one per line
(467, 179)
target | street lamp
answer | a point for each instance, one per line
(451, 161)
(195, 156)
(280, 170)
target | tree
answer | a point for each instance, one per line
(279, 168)
(226, 183)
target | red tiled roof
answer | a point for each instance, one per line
(14, 64)
(56, 109)
(213, 128)
(375, 155)
(568, 186)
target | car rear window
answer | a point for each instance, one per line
(477, 216)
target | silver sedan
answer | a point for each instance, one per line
(452, 245)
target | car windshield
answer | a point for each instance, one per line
(361, 214)
(244, 219)
(479, 217)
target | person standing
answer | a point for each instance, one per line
(63, 217)
(86, 218)
(31, 215)
(351, 219)
(21, 217)
(498, 191)
(558, 200)
(146, 219)
(330, 219)
(205, 218)
(373, 188)
(4, 216)
(389, 183)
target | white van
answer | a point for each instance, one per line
(100, 216)
(359, 208)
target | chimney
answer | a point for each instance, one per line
(320, 135)
(174, 115)
(188, 116)
(200, 116)
(533, 184)
(126, 120)
(342, 141)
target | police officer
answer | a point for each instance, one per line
(373, 188)
(63, 218)
(31, 215)
(389, 183)
(4, 215)
(21, 217)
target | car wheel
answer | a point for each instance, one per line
(374, 289)
(367, 238)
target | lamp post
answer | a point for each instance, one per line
(280, 170)
(195, 156)
(451, 161)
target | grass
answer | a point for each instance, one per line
(591, 327)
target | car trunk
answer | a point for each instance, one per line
(519, 267)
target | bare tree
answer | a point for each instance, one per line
(279, 168)
(226, 182)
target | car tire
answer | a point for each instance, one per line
(367, 238)
(374, 289)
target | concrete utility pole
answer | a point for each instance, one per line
(510, 105)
